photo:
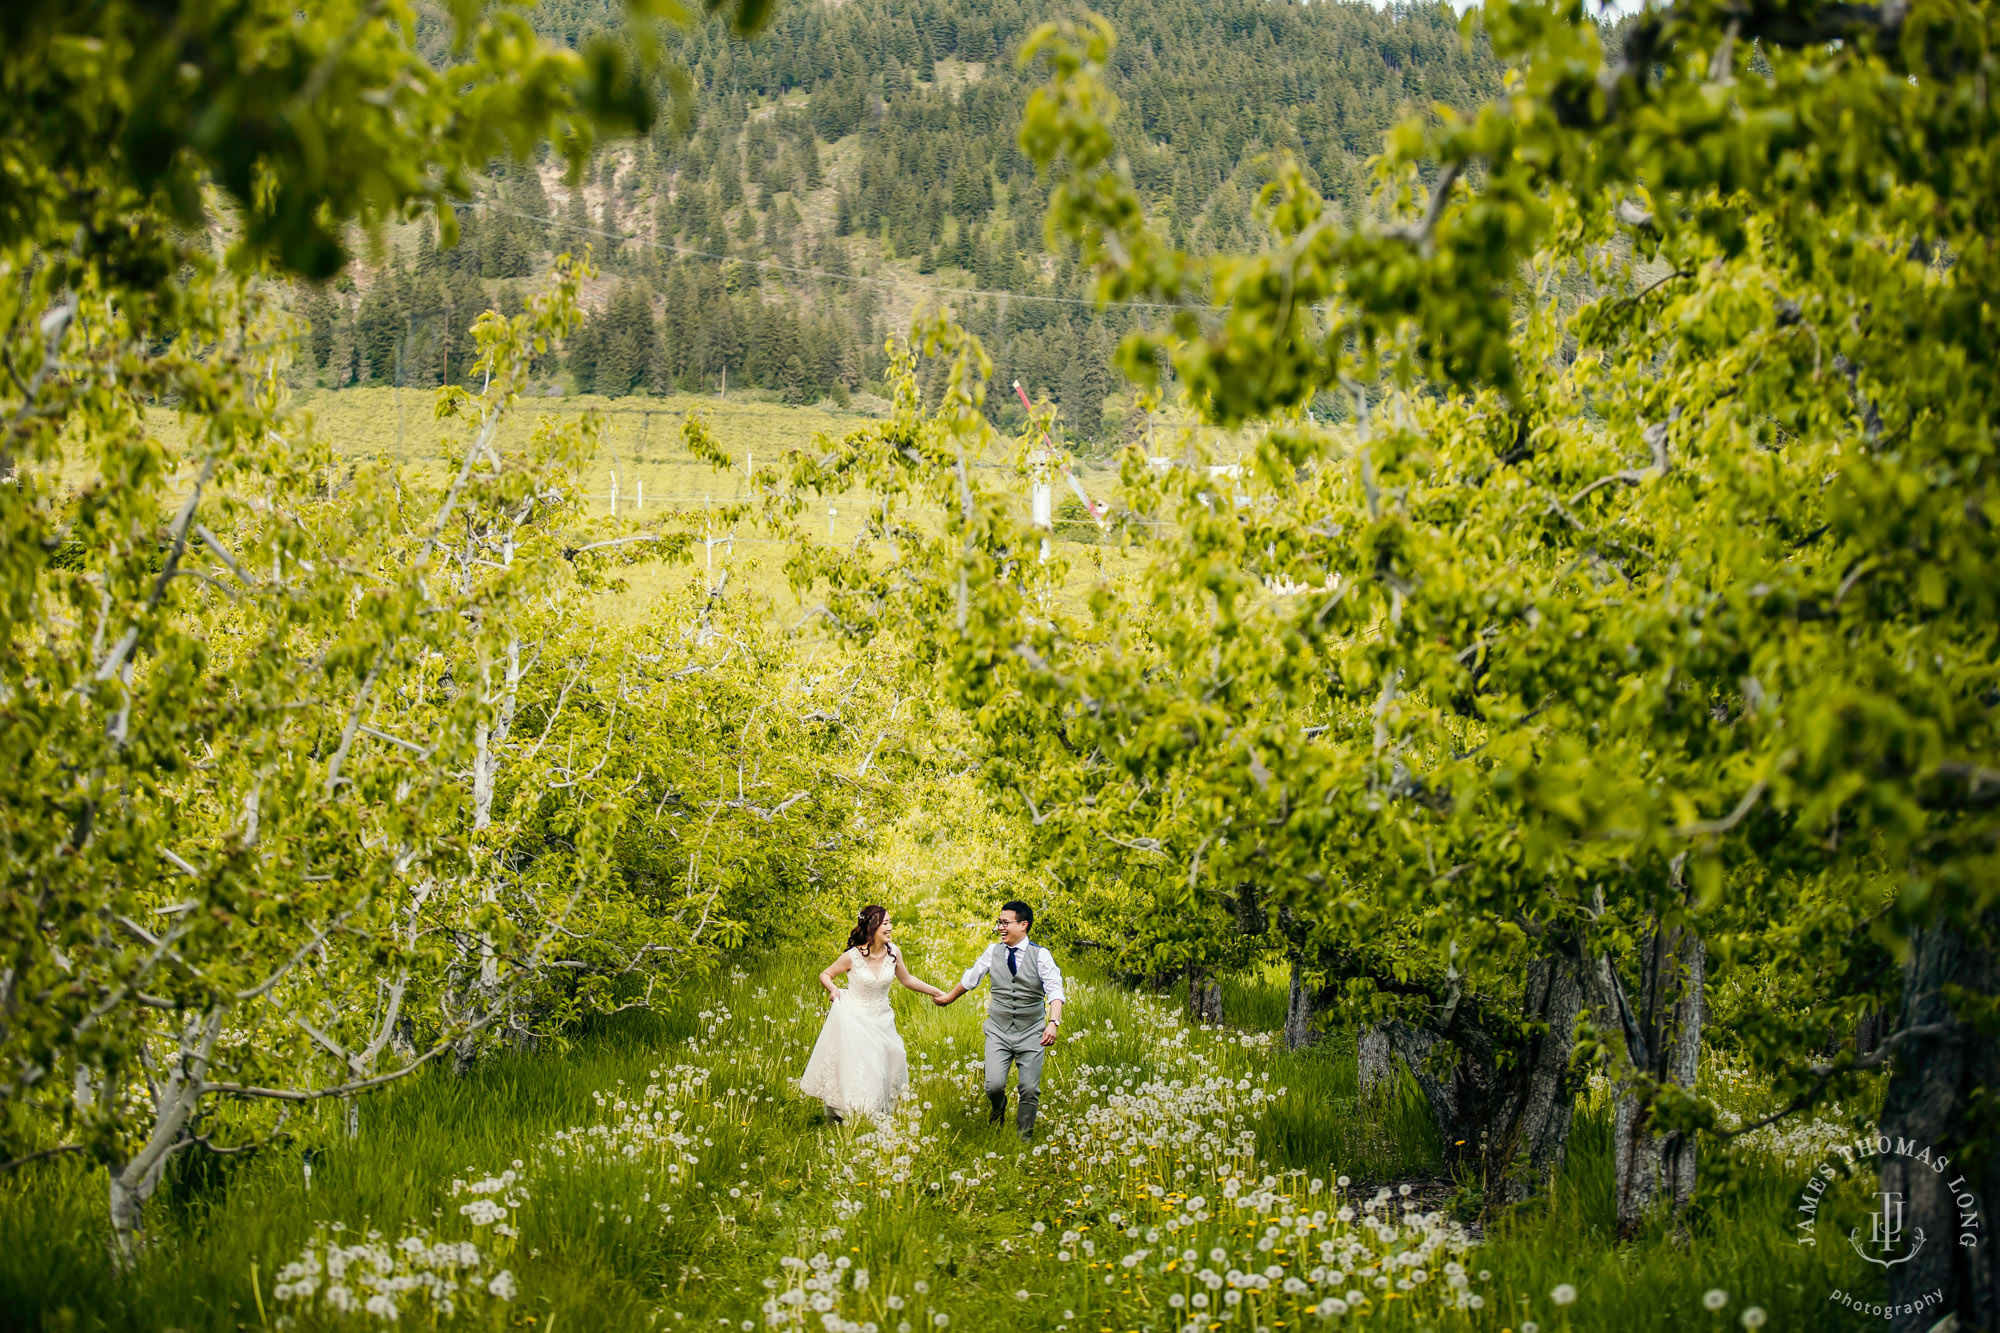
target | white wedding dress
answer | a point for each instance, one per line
(858, 1065)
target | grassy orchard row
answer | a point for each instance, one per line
(373, 783)
(665, 1175)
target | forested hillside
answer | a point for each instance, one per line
(858, 163)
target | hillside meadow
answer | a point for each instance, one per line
(660, 486)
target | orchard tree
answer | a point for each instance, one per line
(232, 873)
(377, 787)
(211, 830)
(1641, 615)
(1754, 488)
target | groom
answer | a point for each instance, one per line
(1022, 1017)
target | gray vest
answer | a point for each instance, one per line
(1018, 1003)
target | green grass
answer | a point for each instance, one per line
(1134, 1101)
(661, 485)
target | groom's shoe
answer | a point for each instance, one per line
(999, 1104)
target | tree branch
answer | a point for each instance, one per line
(1700, 827)
(1824, 1074)
(358, 1085)
(1982, 784)
(353, 723)
(1422, 232)
(19, 1162)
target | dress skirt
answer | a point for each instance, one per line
(858, 1065)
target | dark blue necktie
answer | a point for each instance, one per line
(1013, 969)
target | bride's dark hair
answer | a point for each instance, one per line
(862, 937)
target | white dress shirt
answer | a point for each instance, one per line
(1052, 982)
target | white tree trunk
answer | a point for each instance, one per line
(482, 776)
(179, 1094)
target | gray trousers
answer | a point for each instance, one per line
(1024, 1050)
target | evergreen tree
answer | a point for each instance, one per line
(528, 197)
(428, 340)
(582, 353)
(576, 227)
(467, 299)
(680, 321)
(930, 176)
(316, 307)
(380, 323)
(626, 342)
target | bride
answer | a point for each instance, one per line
(858, 1065)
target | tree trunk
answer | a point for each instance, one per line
(1204, 995)
(1375, 1059)
(1302, 1009)
(1941, 1095)
(1526, 1151)
(1500, 1089)
(180, 1090)
(128, 1215)
(1868, 1030)
(1659, 1030)
(464, 1054)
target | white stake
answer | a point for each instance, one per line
(614, 492)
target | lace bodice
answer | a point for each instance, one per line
(869, 979)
